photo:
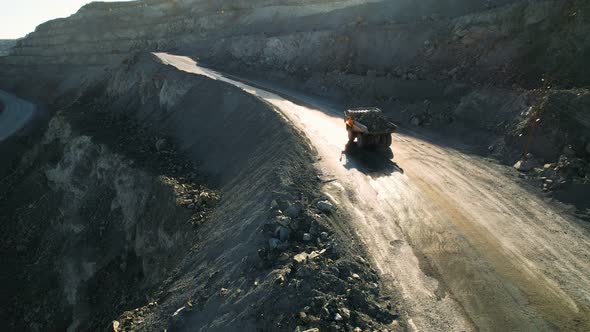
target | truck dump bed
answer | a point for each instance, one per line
(372, 119)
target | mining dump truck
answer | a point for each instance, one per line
(369, 127)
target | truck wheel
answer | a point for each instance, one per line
(363, 141)
(386, 140)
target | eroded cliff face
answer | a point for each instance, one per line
(371, 31)
(89, 233)
(478, 41)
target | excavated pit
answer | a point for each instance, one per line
(481, 71)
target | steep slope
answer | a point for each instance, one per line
(112, 217)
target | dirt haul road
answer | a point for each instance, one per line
(467, 247)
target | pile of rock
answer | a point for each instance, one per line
(526, 163)
(565, 170)
(375, 121)
(327, 287)
(132, 320)
(295, 224)
(199, 199)
(569, 168)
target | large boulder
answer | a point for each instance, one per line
(294, 210)
(526, 164)
(325, 206)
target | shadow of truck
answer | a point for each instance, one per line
(373, 162)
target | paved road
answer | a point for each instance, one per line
(467, 247)
(16, 114)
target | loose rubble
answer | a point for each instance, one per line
(562, 159)
(376, 122)
(132, 319)
(333, 291)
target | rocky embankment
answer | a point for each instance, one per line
(291, 35)
(127, 213)
(101, 33)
